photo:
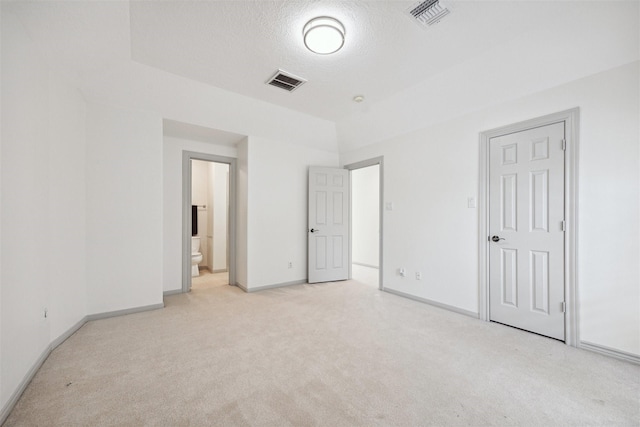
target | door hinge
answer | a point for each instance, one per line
(564, 145)
(563, 307)
(563, 224)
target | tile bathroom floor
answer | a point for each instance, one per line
(208, 280)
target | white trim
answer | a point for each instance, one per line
(610, 352)
(126, 311)
(171, 292)
(15, 396)
(364, 265)
(570, 118)
(8, 407)
(72, 330)
(187, 156)
(274, 286)
(359, 165)
(433, 303)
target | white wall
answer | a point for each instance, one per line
(3, 394)
(365, 216)
(242, 232)
(124, 208)
(200, 192)
(277, 211)
(25, 334)
(430, 173)
(66, 267)
(210, 212)
(220, 207)
(177, 98)
(143, 88)
(42, 207)
(199, 182)
(172, 202)
(271, 204)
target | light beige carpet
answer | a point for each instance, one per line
(334, 354)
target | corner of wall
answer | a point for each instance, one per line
(242, 225)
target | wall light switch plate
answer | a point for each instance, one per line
(388, 206)
(471, 202)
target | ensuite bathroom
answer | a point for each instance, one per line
(210, 221)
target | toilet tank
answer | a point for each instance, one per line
(195, 244)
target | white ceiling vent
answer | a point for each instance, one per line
(286, 81)
(428, 12)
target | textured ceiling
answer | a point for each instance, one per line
(238, 45)
(483, 53)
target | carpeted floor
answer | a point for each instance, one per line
(333, 354)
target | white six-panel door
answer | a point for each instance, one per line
(328, 224)
(526, 214)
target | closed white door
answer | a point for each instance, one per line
(526, 225)
(328, 224)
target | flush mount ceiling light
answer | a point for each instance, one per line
(323, 35)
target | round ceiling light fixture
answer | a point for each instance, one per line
(323, 35)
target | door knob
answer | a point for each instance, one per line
(313, 230)
(496, 238)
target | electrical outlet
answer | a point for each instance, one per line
(402, 272)
(290, 264)
(418, 275)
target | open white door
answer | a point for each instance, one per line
(328, 224)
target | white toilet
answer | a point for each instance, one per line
(196, 256)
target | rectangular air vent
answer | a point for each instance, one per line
(428, 12)
(286, 81)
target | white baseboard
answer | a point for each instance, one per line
(171, 292)
(611, 352)
(72, 330)
(433, 303)
(275, 285)
(8, 407)
(15, 396)
(597, 348)
(365, 265)
(107, 314)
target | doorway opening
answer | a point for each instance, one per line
(208, 255)
(209, 223)
(366, 222)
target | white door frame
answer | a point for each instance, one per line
(187, 156)
(359, 165)
(570, 118)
